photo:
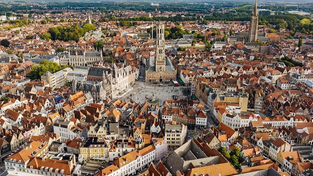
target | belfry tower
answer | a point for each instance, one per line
(254, 24)
(160, 48)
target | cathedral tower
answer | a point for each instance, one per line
(254, 24)
(160, 48)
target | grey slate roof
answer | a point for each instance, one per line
(98, 71)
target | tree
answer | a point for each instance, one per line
(5, 43)
(300, 42)
(231, 33)
(166, 33)
(98, 45)
(225, 38)
(208, 46)
(4, 99)
(224, 152)
(29, 37)
(234, 161)
(260, 43)
(43, 67)
(112, 34)
(46, 36)
(281, 24)
(305, 21)
(68, 33)
(290, 26)
(105, 31)
(60, 49)
(9, 51)
(110, 60)
(236, 150)
(54, 32)
(181, 49)
(272, 31)
(89, 27)
(234, 157)
(68, 84)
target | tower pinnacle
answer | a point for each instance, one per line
(256, 8)
(89, 20)
(254, 26)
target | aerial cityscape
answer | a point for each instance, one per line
(156, 88)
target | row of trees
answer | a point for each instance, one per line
(127, 23)
(305, 26)
(234, 157)
(18, 23)
(172, 33)
(289, 62)
(175, 33)
(67, 33)
(292, 22)
(98, 45)
(133, 20)
(43, 67)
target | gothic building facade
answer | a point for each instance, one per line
(160, 68)
(98, 84)
(106, 82)
(80, 58)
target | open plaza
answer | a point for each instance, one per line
(156, 93)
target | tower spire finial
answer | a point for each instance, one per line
(89, 20)
(256, 8)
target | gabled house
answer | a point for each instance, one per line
(277, 146)
(287, 160)
(201, 119)
(5, 148)
(13, 117)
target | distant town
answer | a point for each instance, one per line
(156, 88)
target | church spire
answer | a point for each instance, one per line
(256, 8)
(253, 31)
(89, 20)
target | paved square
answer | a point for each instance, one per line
(142, 91)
